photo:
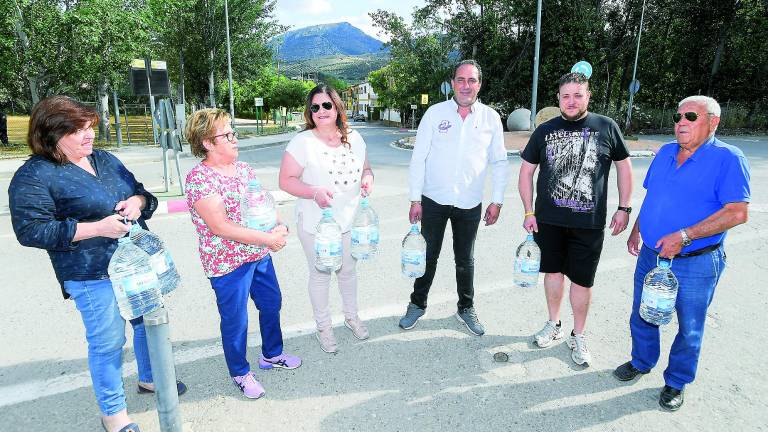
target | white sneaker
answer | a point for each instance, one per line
(551, 332)
(327, 340)
(580, 353)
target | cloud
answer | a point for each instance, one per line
(315, 7)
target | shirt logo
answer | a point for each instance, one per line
(444, 126)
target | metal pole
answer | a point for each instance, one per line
(634, 71)
(127, 125)
(148, 66)
(229, 66)
(535, 88)
(163, 370)
(118, 130)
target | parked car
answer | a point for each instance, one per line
(358, 117)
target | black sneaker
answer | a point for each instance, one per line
(627, 372)
(671, 399)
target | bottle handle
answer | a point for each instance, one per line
(658, 257)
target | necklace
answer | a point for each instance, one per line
(329, 139)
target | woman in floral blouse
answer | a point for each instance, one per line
(236, 259)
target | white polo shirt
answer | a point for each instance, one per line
(451, 156)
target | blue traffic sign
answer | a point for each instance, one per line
(583, 67)
(634, 86)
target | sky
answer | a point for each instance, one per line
(305, 13)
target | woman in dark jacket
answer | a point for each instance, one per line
(71, 199)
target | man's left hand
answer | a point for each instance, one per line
(491, 214)
(671, 245)
(619, 222)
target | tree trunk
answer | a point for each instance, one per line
(724, 30)
(103, 108)
(31, 77)
(212, 84)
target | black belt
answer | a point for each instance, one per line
(698, 252)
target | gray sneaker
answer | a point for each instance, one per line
(551, 332)
(579, 351)
(411, 317)
(468, 316)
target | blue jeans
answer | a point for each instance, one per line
(259, 280)
(105, 333)
(697, 277)
(464, 223)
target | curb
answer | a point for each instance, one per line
(403, 144)
(180, 205)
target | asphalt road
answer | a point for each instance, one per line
(434, 377)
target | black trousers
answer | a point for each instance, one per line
(464, 224)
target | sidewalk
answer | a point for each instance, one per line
(133, 156)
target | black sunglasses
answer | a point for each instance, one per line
(229, 136)
(326, 105)
(690, 116)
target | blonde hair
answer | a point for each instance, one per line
(201, 125)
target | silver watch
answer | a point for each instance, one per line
(686, 240)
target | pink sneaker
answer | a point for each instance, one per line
(284, 361)
(358, 328)
(247, 383)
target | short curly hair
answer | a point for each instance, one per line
(201, 125)
(573, 77)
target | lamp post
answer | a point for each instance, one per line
(634, 71)
(229, 66)
(535, 88)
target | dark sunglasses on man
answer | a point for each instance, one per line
(326, 106)
(690, 116)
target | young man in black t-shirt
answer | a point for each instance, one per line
(575, 152)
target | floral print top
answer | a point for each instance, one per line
(218, 255)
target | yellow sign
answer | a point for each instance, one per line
(424, 99)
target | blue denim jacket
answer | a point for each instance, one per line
(47, 200)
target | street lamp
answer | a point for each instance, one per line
(535, 88)
(229, 66)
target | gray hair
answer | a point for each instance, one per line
(709, 103)
(473, 63)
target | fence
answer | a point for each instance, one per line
(660, 120)
(135, 125)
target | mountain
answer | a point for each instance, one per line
(324, 40)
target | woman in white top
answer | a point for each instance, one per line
(326, 165)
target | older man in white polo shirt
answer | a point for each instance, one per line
(456, 142)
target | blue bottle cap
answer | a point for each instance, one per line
(529, 236)
(414, 228)
(665, 264)
(364, 202)
(254, 182)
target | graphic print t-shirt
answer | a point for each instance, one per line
(575, 159)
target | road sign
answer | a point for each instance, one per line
(413, 106)
(259, 101)
(424, 99)
(634, 86)
(445, 88)
(583, 67)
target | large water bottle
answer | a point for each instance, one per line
(659, 294)
(413, 256)
(527, 261)
(365, 232)
(328, 243)
(134, 281)
(257, 207)
(159, 257)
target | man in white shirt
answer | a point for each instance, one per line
(456, 142)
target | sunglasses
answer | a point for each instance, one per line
(326, 106)
(690, 116)
(230, 136)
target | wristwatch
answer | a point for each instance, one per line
(625, 209)
(686, 240)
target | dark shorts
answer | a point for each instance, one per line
(573, 252)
